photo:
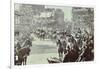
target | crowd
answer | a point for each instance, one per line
(72, 47)
(75, 47)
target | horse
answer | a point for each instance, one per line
(61, 48)
(22, 55)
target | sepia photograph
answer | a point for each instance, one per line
(49, 34)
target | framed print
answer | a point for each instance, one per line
(51, 34)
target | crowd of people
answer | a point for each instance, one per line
(74, 47)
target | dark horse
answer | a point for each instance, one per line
(22, 55)
(61, 48)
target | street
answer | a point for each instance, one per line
(41, 50)
(45, 27)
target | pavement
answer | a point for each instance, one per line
(41, 50)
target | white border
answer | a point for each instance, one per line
(72, 3)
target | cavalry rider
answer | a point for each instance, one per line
(60, 50)
(28, 42)
(61, 43)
